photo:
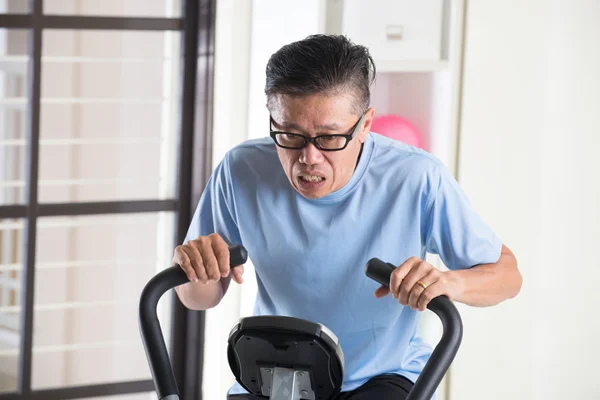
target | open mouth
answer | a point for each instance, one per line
(311, 178)
(308, 182)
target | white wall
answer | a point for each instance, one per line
(231, 80)
(528, 156)
(276, 23)
(230, 127)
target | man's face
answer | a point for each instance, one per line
(312, 172)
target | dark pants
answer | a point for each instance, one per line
(382, 387)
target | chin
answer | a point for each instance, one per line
(311, 194)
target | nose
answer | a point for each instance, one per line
(311, 155)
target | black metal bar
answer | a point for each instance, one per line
(181, 316)
(79, 392)
(91, 22)
(188, 110)
(202, 168)
(13, 211)
(187, 353)
(107, 207)
(194, 342)
(110, 207)
(33, 142)
(150, 329)
(445, 351)
(15, 21)
(113, 23)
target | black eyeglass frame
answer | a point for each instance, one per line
(313, 140)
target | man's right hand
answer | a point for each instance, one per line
(206, 259)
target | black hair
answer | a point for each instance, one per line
(322, 64)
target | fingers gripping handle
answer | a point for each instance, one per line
(237, 256)
(152, 337)
(444, 353)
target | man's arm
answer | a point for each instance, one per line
(450, 227)
(204, 255)
(416, 282)
(488, 284)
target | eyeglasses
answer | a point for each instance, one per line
(296, 141)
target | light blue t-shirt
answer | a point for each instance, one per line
(310, 255)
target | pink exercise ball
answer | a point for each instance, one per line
(398, 128)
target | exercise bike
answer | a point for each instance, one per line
(285, 358)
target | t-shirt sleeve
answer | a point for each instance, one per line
(215, 212)
(454, 230)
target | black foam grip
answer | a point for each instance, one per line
(446, 349)
(380, 271)
(152, 337)
(237, 256)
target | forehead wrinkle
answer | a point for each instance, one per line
(292, 125)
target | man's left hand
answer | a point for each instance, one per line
(416, 282)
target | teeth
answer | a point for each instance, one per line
(311, 178)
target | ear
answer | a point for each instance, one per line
(368, 121)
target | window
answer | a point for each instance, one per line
(14, 59)
(11, 266)
(102, 113)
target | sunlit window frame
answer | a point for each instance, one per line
(195, 126)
